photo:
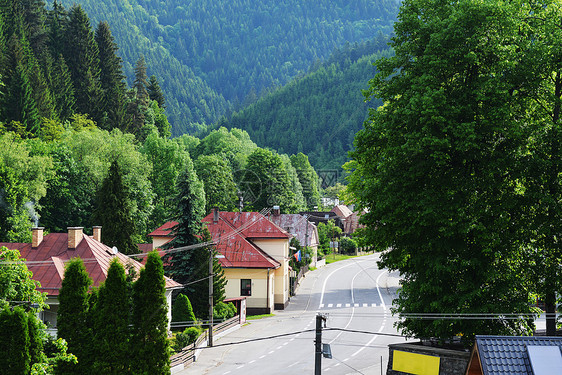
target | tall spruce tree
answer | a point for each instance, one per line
(138, 99)
(188, 211)
(150, 348)
(111, 78)
(72, 318)
(114, 212)
(155, 92)
(15, 358)
(81, 55)
(63, 90)
(112, 333)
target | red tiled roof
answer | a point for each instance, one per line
(164, 230)
(47, 260)
(234, 232)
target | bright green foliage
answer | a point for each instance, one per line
(14, 346)
(150, 349)
(308, 179)
(327, 233)
(57, 358)
(224, 311)
(348, 245)
(234, 145)
(112, 332)
(168, 160)
(156, 115)
(23, 181)
(72, 318)
(437, 165)
(182, 310)
(269, 183)
(111, 79)
(16, 283)
(114, 212)
(295, 186)
(218, 182)
(188, 336)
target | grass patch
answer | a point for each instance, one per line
(256, 317)
(331, 258)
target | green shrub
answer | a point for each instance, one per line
(182, 310)
(188, 336)
(224, 311)
(348, 245)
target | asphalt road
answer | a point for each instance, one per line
(355, 297)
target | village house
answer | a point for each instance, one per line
(255, 257)
(300, 228)
(46, 256)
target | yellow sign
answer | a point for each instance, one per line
(413, 363)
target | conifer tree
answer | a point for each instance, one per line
(182, 311)
(81, 56)
(138, 99)
(112, 322)
(57, 23)
(155, 92)
(114, 212)
(14, 346)
(62, 89)
(72, 318)
(308, 179)
(188, 212)
(150, 319)
(111, 78)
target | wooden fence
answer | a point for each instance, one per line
(295, 280)
(187, 354)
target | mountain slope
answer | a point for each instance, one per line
(319, 113)
(214, 55)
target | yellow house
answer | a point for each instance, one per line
(256, 257)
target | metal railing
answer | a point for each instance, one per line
(187, 355)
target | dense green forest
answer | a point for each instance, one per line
(80, 148)
(214, 56)
(317, 114)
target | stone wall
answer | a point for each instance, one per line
(452, 362)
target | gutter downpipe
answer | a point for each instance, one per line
(268, 289)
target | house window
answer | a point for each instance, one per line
(245, 287)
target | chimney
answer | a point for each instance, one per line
(276, 211)
(75, 235)
(36, 236)
(97, 233)
(215, 215)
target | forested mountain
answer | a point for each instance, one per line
(212, 56)
(317, 114)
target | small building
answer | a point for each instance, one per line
(46, 256)
(300, 228)
(255, 257)
(516, 355)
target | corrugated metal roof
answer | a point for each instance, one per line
(507, 355)
(45, 260)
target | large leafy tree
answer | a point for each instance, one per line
(267, 182)
(218, 182)
(308, 179)
(150, 320)
(438, 166)
(114, 212)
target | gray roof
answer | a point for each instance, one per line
(503, 355)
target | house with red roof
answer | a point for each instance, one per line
(47, 254)
(300, 228)
(255, 257)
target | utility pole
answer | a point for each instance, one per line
(318, 345)
(210, 297)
